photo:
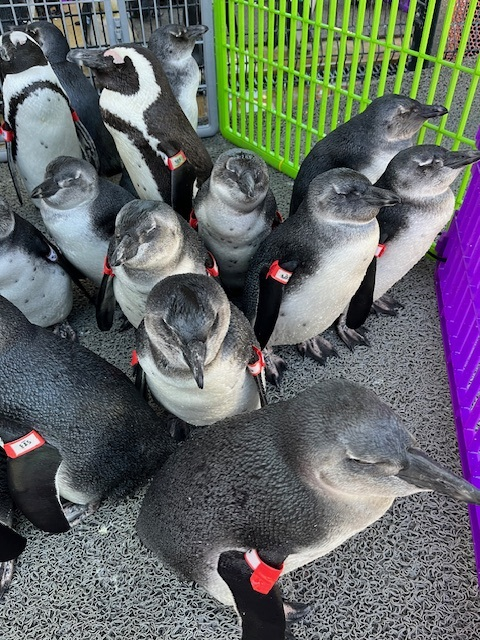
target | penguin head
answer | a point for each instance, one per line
(241, 179)
(7, 220)
(69, 182)
(344, 195)
(361, 447)
(425, 171)
(148, 236)
(19, 52)
(175, 42)
(49, 38)
(399, 117)
(186, 319)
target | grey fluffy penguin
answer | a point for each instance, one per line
(281, 487)
(367, 142)
(151, 241)
(101, 438)
(173, 45)
(79, 209)
(305, 273)
(235, 210)
(31, 275)
(81, 93)
(159, 147)
(194, 347)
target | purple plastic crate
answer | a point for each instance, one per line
(458, 292)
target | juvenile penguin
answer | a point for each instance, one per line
(72, 425)
(173, 45)
(235, 210)
(195, 349)
(39, 125)
(151, 241)
(79, 210)
(305, 273)
(31, 275)
(266, 492)
(160, 150)
(367, 142)
(81, 93)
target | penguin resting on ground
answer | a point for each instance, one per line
(269, 491)
(79, 210)
(39, 124)
(160, 150)
(151, 241)
(81, 93)
(173, 45)
(235, 210)
(195, 349)
(305, 273)
(72, 425)
(367, 142)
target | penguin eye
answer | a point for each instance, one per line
(359, 461)
(65, 183)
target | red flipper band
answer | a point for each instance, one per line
(23, 445)
(75, 117)
(176, 161)
(380, 250)
(134, 360)
(263, 577)
(213, 270)
(6, 132)
(192, 221)
(277, 221)
(277, 273)
(107, 269)
(258, 366)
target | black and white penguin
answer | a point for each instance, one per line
(151, 241)
(160, 150)
(73, 427)
(79, 210)
(263, 493)
(305, 273)
(173, 45)
(81, 93)
(235, 210)
(31, 275)
(195, 349)
(39, 124)
(367, 142)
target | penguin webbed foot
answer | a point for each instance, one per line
(318, 349)
(66, 331)
(275, 367)
(352, 337)
(386, 306)
(125, 324)
(7, 570)
(178, 428)
(295, 611)
(76, 513)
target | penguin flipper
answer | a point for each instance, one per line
(262, 615)
(105, 304)
(182, 178)
(13, 171)
(11, 546)
(140, 381)
(89, 150)
(362, 301)
(272, 282)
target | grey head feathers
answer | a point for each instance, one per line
(175, 42)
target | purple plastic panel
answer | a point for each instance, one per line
(458, 293)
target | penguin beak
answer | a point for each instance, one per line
(424, 473)
(126, 250)
(459, 159)
(432, 111)
(194, 353)
(45, 190)
(380, 197)
(92, 58)
(196, 30)
(246, 183)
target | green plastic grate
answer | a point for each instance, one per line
(290, 71)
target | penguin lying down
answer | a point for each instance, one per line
(72, 427)
(266, 492)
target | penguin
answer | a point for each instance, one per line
(81, 93)
(160, 150)
(195, 349)
(305, 273)
(263, 493)
(151, 241)
(173, 45)
(79, 209)
(73, 427)
(31, 273)
(39, 123)
(367, 142)
(235, 210)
